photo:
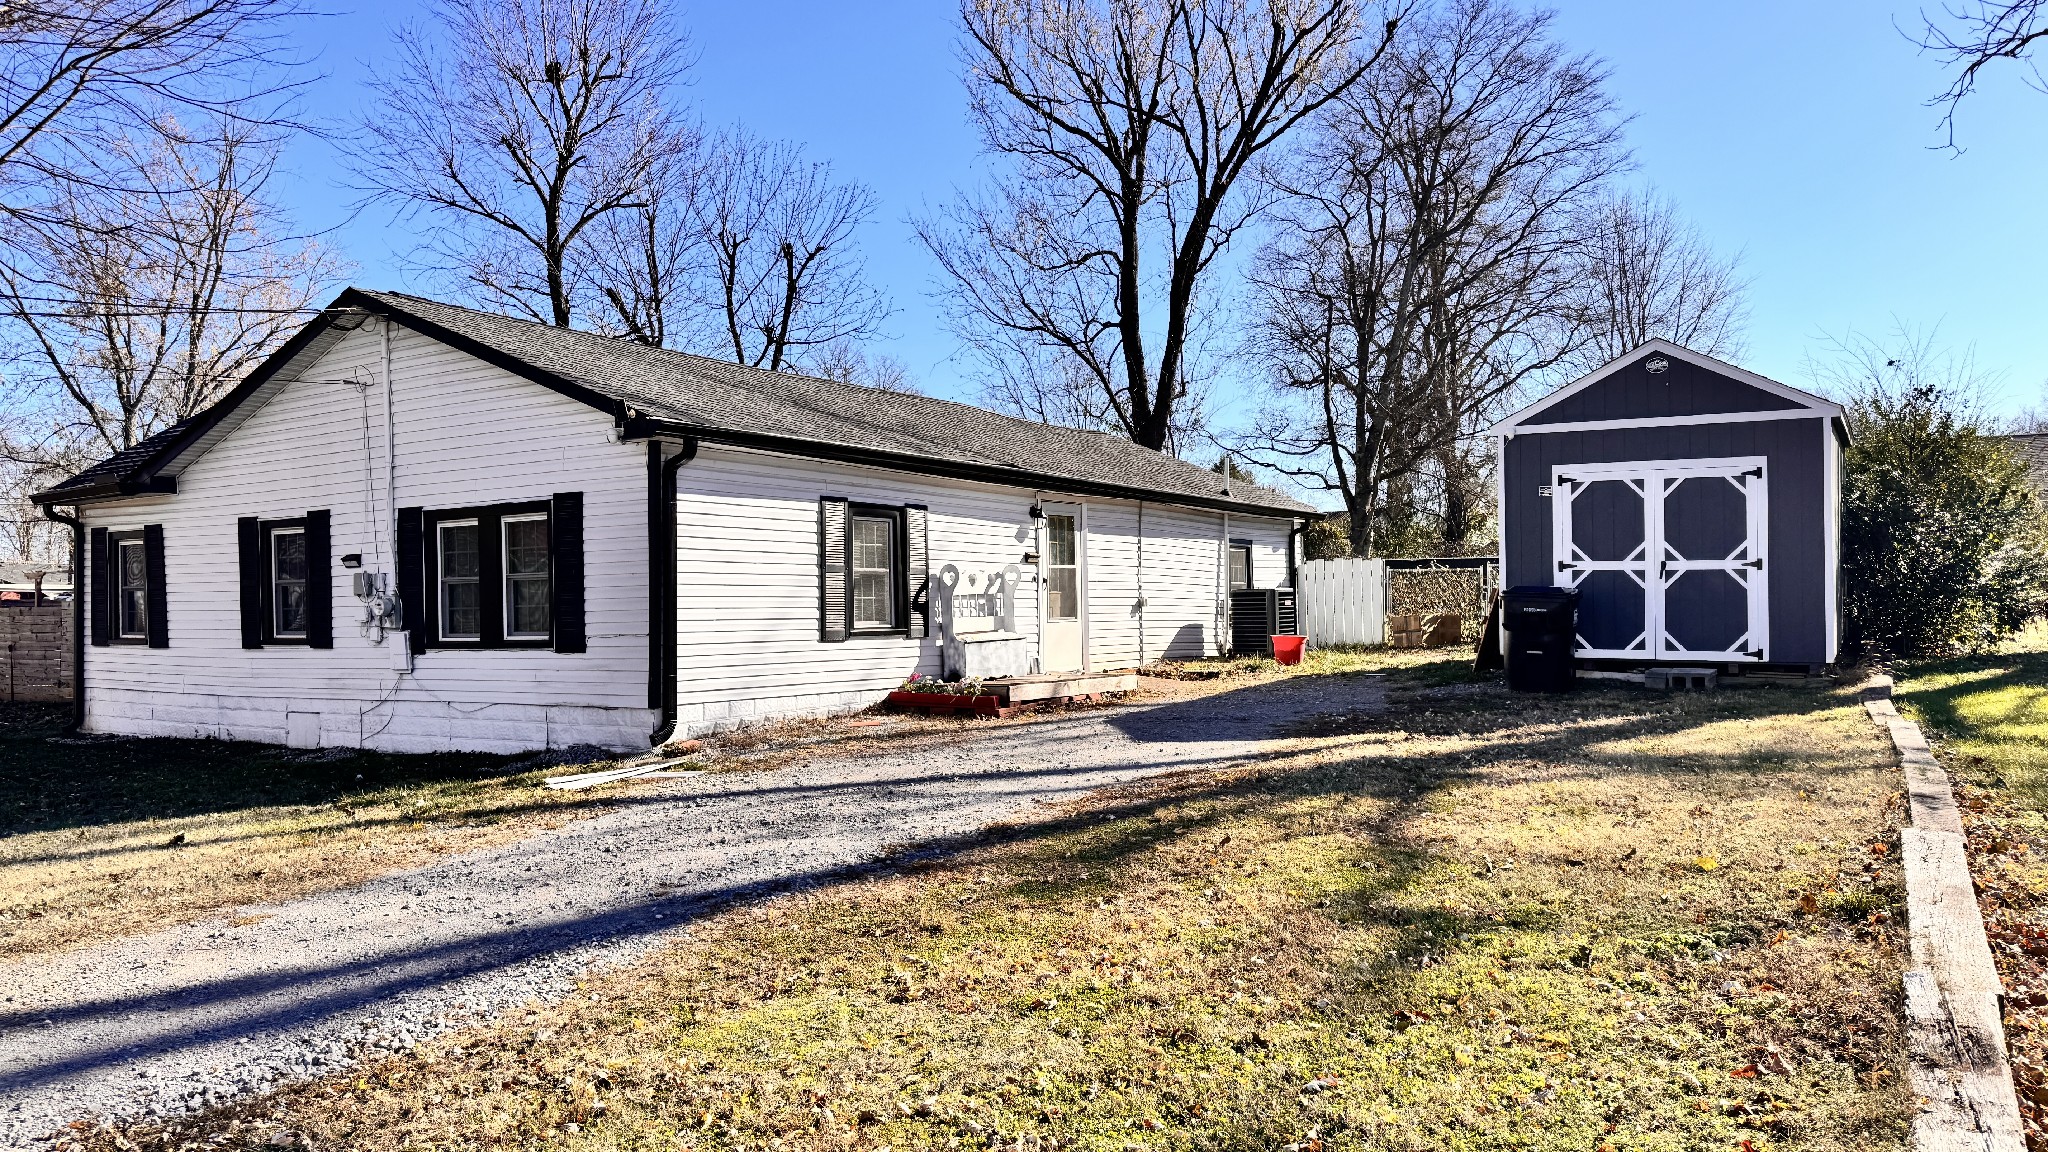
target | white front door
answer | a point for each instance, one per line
(1063, 566)
(1668, 558)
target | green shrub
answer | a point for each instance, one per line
(1942, 538)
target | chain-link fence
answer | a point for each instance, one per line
(1434, 589)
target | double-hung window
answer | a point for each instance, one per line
(492, 576)
(131, 588)
(874, 562)
(874, 570)
(461, 580)
(287, 571)
(526, 576)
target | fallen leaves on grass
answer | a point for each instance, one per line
(1314, 953)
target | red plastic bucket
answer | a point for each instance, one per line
(1287, 649)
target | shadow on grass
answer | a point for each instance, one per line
(61, 782)
(1080, 849)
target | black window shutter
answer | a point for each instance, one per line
(834, 605)
(102, 593)
(412, 582)
(490, 566)
(565, 548)
(249, 546)
(319, 581)
(917, 566)
(158, 628)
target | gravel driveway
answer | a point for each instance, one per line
(196, 1015)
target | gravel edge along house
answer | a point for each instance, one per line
(419, 527)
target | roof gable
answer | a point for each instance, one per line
(1663, 383)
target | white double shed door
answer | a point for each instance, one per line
(1668, 557)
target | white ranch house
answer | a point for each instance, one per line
(419, 527)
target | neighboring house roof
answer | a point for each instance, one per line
(1801, 403)
(2033, 448)
(657, 392)
(23, 572)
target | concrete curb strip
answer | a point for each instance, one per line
(1955, 1025)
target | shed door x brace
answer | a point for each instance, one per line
(1668, 557)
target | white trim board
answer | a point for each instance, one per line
(1673, 421)
(1809, 404)
(1831, 536)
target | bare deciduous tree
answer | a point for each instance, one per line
(647, 262)
(77, 75)
(1641, 272)
(1418, 276)
(745, 250)
(849, 363)
(1133, 126)
(130, 309)
(1970, 35)
(518, 125)
(779, 237)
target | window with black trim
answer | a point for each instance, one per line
(131, 587)
(526, 576)
(878, 587)
(491, 571)
(1240, 564)
(285, 570)
(461, 579)
(875, 572)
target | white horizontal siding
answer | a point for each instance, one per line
(1269, 549)
(468, 433)
(748, 581)
(747, 569)
(747, 593)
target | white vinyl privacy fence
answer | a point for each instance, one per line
(1342, 601)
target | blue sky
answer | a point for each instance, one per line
(1793, 133)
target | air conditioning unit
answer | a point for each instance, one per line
(1257, 615)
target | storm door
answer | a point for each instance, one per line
(1668, 557)
(1063, 629)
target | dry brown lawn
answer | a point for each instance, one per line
(1611, 921)
(101, 838)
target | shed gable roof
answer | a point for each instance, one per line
(1687, 388)
(657, 392)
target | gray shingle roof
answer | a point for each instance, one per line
(718, 394)
(120, 465)
(716, 398)
(2033, 448)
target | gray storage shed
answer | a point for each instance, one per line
(1695, 506)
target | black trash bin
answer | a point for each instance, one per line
(1540, 625)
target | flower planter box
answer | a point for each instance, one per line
(941, 702)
